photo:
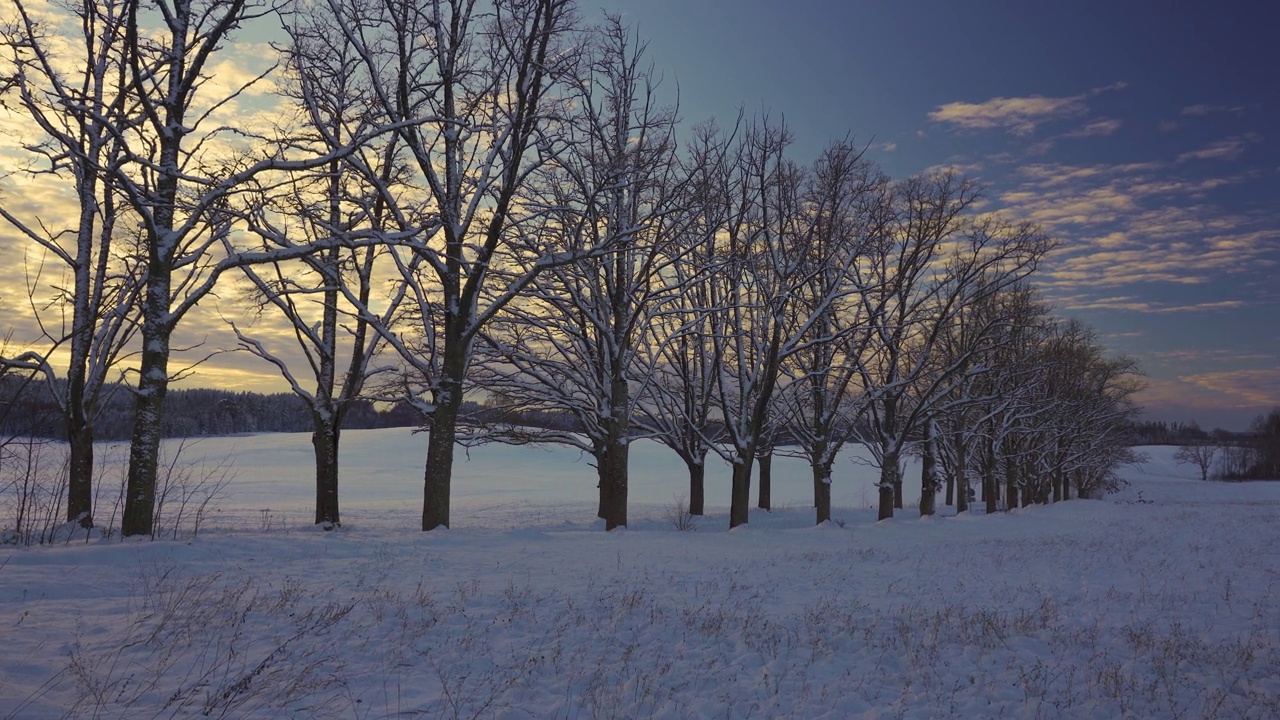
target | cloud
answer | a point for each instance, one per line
(1224, 399)
(963, 169)
(1042, 148)
(889, 146)
(1130, 303)
(1252, 387)
(1203, 110)
(1216, 355)
(1118, 85)
(1120, 225)
(1181, 261)
(1018, 116)
(1228, 149)
(1098, 126)
(1200, 111)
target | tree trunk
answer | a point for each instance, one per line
(822, 492)
(990, 493)
(437, 480)
(326, 419)
(80, 471)
(599, 452)
(325, 442)
(144, 446)
(617, 450)
(764, 493)
(612, 458)
(740, 493)
(928, 472)
(604, 486)
(697, 486)
(439, 473)
(961, 474)
(613, 485)
(1031, 480)
(890, 478)
(86, 307)
(1010, 484)
(79, 426)
(819, 450)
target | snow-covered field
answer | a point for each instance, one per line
(1161, 601)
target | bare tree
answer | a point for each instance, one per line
(759, 317)
(471, 90)
(189, 181)
(347, 199)
(1203, 454)
(677, 402)
(74, 94)
(938, 261)
(998, 384)
(175, 187)
(906, 308)
(572, 344)
(1055, 415)
(1013, 394)
(751, 317)
(1093, 404)
(848, 203)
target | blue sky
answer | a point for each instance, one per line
(1141, 135)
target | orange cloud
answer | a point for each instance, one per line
(1021, 115)
(1138, 222)
(1249, 388)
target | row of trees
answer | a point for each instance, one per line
(1254, 455)
(464, 193)
(1160, 432)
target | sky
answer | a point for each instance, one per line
(1144, 141)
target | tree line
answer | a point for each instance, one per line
(1251, 455)
(470, 199)
(28, 409)
(1161, 432)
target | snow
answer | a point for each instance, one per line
(1156, 602)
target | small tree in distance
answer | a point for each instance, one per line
(1201, 453)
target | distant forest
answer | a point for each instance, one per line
(1160, 432)
(28, 409)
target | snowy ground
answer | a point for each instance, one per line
(1158, 602)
